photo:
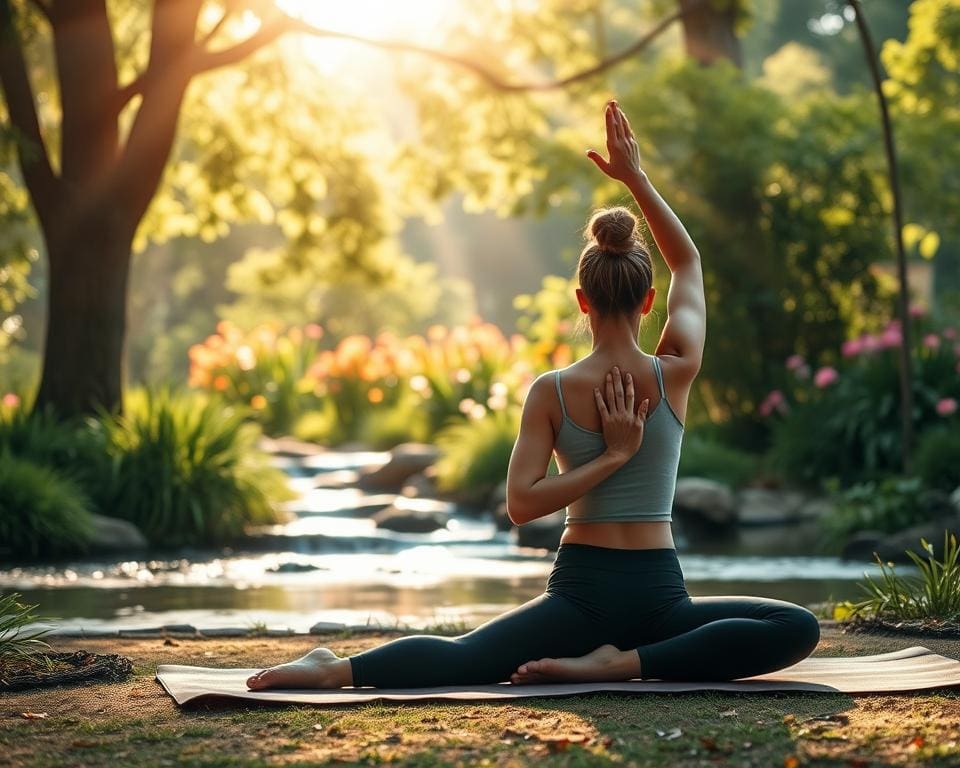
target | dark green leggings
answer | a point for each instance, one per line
(597, 596)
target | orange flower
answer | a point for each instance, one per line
(220, 383)
(375, 395)
(258, 402)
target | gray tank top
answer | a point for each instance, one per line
(640, 490)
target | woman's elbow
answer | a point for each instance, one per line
(517, 510)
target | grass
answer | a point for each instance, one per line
(134, 723)
(933, 594)
(19, 645)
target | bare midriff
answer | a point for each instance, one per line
(638, 535)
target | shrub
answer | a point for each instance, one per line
(937, 459)
(186, 470)
(933, 594)
(474, 455)
(42, 513)
(704, 458)
(17, 643)
(383, 428)
(889, 505)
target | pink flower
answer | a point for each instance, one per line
(794, 362)
(313, 331)
(774, 400)
(891, 337)
(825, 376)
(853, 347)
(917, 310)
(931, 341)
(10, 400)
(949, 333)
(947, 406)
(869, 343)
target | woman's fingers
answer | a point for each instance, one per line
(625, 122)
(611, 393)
(618, 388)
(629, 401)
(644, 408)
(618, 117)
(601, 406)
(612, 128)
(600, 162)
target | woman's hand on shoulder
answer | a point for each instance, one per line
(624, 162)
(623, 426)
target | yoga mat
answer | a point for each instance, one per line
(911, 669)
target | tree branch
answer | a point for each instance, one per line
(32, 154)
(43, 9)
(208, 60)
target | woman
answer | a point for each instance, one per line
(615, 606)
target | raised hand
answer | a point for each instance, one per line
(624, 162)
(622, 426)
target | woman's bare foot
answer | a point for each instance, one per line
(321, 668)
(606, 663)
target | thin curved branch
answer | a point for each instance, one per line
(209, 60)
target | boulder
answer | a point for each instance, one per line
(893, 547)
(408, 515)
(706, 500)
(500, 517)
(767, 506)
(542, 533)
(110, 534)
(324, 627)
(406, 460)
(290, 447)
(420, 485)
(861, 545)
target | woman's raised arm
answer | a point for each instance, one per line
(685, 330)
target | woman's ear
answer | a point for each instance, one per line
(648, 302)
(582, 301)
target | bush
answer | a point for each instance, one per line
(475, 455)
(704, 458)
(42, 513)
(889, 505)
(383, 428)
(937, 459)
(933, 594)
(187, 470)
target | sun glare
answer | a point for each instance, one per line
(415, 21)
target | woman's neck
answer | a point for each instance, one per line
(616, 335)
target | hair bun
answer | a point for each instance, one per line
(614, 229)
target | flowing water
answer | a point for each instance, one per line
(331, 563)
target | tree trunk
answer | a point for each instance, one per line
(86, 317)
(709, 31)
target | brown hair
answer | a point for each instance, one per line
(614, 269)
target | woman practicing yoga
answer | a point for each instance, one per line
(615, 606)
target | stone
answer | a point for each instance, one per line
(323, 627)
(500, 517)
(816, 508)
(767, 506)
(542, 533)
(407, 515)
(406, 460)
(420, 485)
(861, 545)
(290, 447)
(708, 500)
(110, 534)
(893, 547)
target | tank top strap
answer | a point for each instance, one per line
(656, 368)
(563, 408)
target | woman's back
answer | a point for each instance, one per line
(642, 489)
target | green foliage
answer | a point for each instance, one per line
(706, 458)
(186, 469)
(385, 427)
(887, 505)
(474, 455)
(42, 513)
(17, 642)
(933, 594)
(937, 459)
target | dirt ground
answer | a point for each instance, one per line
(135, 723)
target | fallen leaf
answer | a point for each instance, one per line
(916, 742)
(34, 715)
(790, 761)
(729, 713)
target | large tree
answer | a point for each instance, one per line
(93, 162)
